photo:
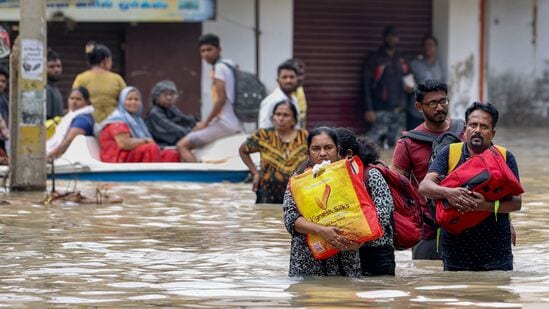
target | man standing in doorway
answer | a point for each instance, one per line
(287, 83)
(386, 82)
(54, 99)
(221, 121)
(411, 156)
(425, 66)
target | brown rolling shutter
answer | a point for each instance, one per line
(69, 40)
(333, 39)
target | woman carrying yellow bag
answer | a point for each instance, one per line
(377, 257)
(322, 146)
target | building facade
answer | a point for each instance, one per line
(493, 50)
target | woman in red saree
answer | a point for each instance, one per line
(124, 137)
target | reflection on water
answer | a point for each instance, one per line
(208, 245)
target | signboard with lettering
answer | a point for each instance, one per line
(119, 10)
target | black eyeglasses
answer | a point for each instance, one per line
(434, 103)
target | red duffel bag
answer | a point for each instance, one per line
(487, 174)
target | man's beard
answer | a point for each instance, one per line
(438, 118)
(477, 146)
(53, 78)
(288, 89)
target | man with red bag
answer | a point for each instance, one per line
(486, 246)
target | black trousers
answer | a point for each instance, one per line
(377, 261)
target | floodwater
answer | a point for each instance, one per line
(207, 245)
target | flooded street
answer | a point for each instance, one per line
(207, 245)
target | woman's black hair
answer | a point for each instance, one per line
(85, 93)
(315, 132)
(368, 150)
(292, 108)
(97, 53)
(319, 130)
(347, 141)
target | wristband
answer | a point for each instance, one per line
(496, 209)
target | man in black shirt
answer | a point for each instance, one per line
(387, 79)
(486, 246)
(54, 99)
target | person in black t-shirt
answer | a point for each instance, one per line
(486, 246)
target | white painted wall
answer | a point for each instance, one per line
(516, 56)
(518, 59)
(441, 12)
(234, 25)
(510, 37)
(542, 50)
(456, 26)
(277, 38)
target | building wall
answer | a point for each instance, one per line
(334, 39)
(463, 49)
(234, 24)
(518, 60)
(276, 40)
(151, 58)
(440, 28)
(516, 48)
(69, 40)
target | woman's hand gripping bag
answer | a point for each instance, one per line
(487, 174)
(336, 197)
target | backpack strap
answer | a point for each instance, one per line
(225, 63)
(230, 66)
(454, 155)
(456, 127)
(456, 150)
(502, 150)
(420, 136)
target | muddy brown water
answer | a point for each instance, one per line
(207, 245)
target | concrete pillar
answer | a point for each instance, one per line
(27, 100)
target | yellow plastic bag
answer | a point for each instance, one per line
(336, 197)
(51, 124)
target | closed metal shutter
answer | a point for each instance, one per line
(333, 39)
(69, 41)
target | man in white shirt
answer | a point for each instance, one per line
(221, 120)
(287, 83)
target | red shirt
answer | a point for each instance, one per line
(413, 155)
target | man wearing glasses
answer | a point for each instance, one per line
(412, 154)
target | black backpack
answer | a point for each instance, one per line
(438, 142)
(249, 91)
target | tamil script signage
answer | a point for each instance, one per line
(119, 10)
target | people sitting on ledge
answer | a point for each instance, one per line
(165, 121)
(124, 137)
(78, 121)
